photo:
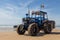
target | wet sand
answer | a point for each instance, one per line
(12, 35)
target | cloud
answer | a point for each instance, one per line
(8, 17)
(11, 13)
(25, 4)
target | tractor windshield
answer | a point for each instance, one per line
(36, 14)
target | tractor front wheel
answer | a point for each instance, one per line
(20, 29)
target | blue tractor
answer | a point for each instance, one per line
(35, 22)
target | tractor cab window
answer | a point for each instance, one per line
(34, 15)
(46, 16)
(41, 17)
(37, 15)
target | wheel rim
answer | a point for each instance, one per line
(21, 28)
(48, 29)
(34, 28)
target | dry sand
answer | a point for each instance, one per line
(12, 35)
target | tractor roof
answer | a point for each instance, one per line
(39, 13)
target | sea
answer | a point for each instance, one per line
(6, 28)
(11, 28)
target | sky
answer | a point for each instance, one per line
(12, 11)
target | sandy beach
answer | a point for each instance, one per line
(12, 35)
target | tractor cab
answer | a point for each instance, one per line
(39, 15)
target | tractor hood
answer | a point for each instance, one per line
(32, 20)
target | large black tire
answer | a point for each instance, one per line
(33, 29)
(47, 28)
(20, 29)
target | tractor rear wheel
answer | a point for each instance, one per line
(33, 29)
(47, 28)
(20, 29)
